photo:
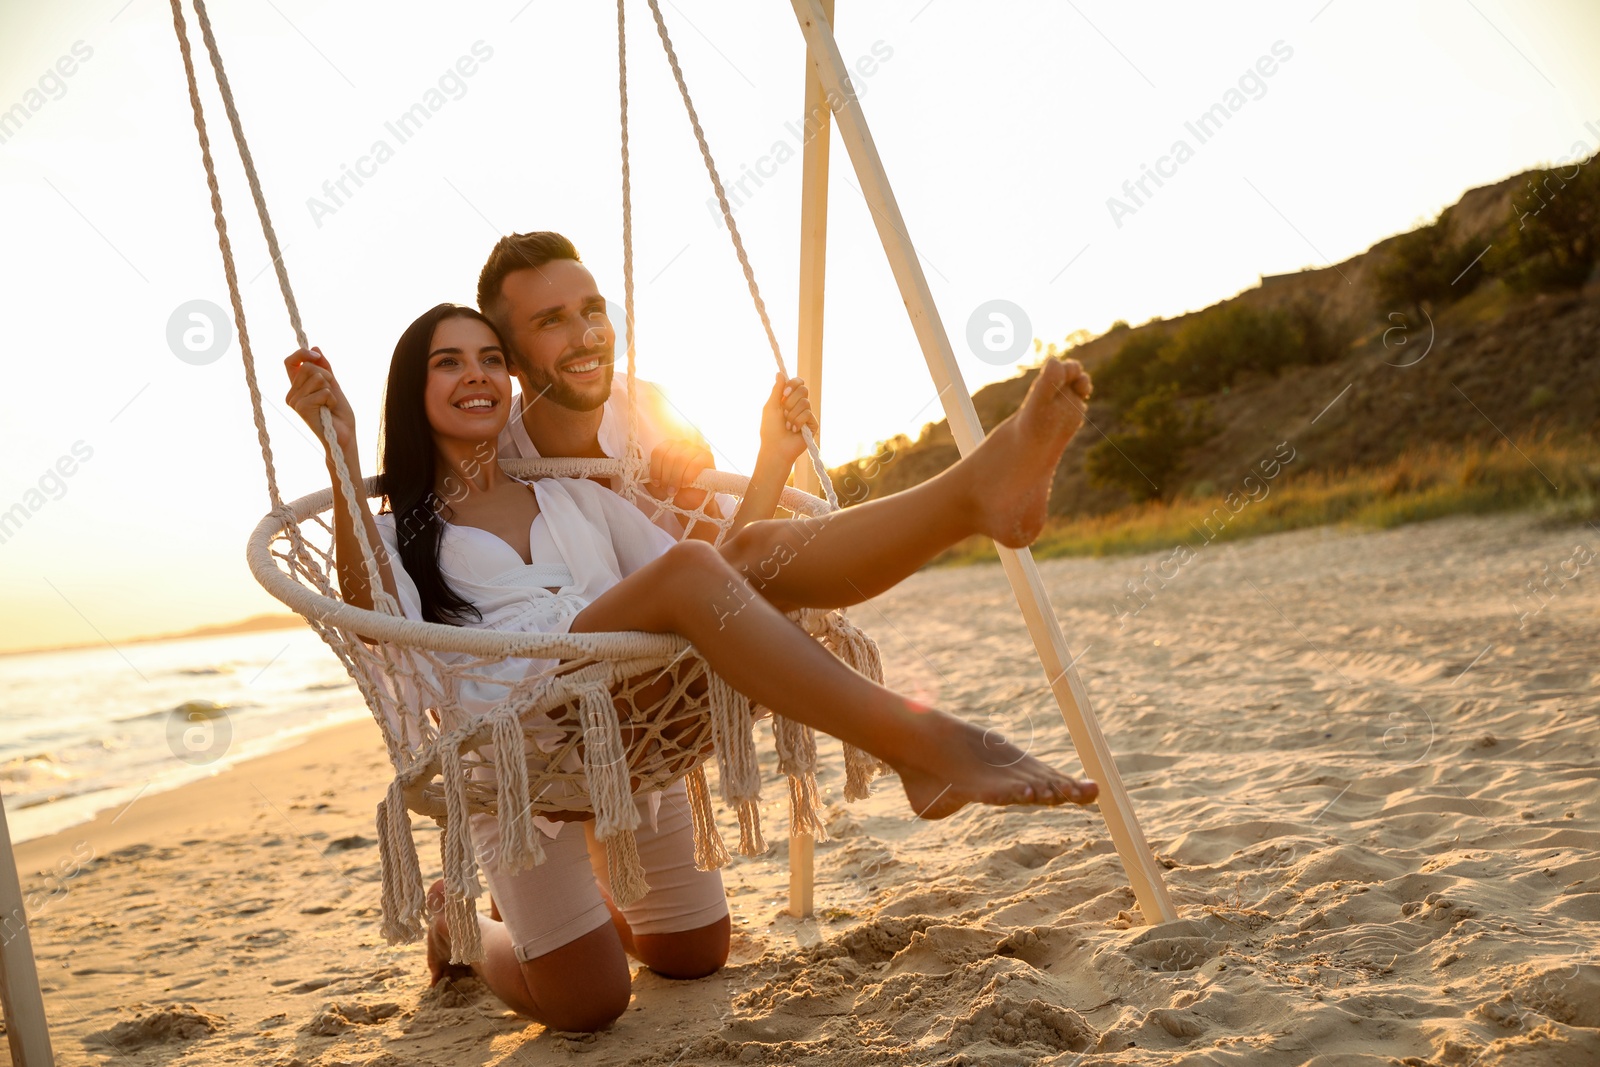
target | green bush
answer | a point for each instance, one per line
(1126, 376)
(1212, 349)
(1321, 340)
(1143, 460)
(1556, 241)
(1424, 269)
(1145, 378)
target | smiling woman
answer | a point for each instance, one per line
(446, 400)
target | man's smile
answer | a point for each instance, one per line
(585, 368)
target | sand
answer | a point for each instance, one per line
(1371, 783)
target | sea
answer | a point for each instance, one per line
(88, 730)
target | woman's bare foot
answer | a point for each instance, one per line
(1015, 465)
(439, 965)
(956, 763)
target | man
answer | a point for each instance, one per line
(552, 317)
(549, 310)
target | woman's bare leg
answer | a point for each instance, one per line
(1001, 490)
(943, 762)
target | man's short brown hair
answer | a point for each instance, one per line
(518, 251)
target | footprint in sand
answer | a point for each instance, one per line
(166, 1026)
(348, 844)
(1183, 1025)
(1012, 1023)
(335, 1019)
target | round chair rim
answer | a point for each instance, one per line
(442, 637)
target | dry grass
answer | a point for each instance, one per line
(1559, 477)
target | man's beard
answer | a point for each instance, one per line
(555, 388)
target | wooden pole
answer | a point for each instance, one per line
(1020, 567)
(813, 268)
(20, 998)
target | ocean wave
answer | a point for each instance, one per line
(34, 770)
(189, 709)
(39, 802)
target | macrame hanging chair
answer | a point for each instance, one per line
(419, 678)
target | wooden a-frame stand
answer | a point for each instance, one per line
(20, 999)
(828, 89)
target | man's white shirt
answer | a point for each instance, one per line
(655, 428)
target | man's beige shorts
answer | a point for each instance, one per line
(558, 901)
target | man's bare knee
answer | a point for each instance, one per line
(696, 564)
(687, 955)
(581, 1006)
(587, 1018)
(583, 986)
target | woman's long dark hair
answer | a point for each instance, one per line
(408, 465)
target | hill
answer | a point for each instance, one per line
(1459, 336)
(254, 624)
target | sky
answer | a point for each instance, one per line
(1008, 132)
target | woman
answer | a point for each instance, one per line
(457, 525)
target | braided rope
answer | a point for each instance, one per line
(235, 297)
(267, 230)
(635, 454)
(354, 505)
(738, 242)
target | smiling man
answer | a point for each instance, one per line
(549, 309)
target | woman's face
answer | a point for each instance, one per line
(468, 390)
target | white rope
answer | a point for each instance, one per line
(738, 243)
(231, 273)
(635, 456)
(267, 229)
(356, 506)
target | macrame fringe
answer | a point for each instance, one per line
(751, 842)
(860, 767)
(851, 644)
(461, 884)
(466, 940)
(805, 812)
(860, 652)
(404, 901)
(796, 745)
(624, 869)
(605, 762)
(709, 851)
(519, 839)
(737, 767)
(605, 767)
(797, 758)
(460, 863)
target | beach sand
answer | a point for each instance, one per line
(1372, 786)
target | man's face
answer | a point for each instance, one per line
(555, 320)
